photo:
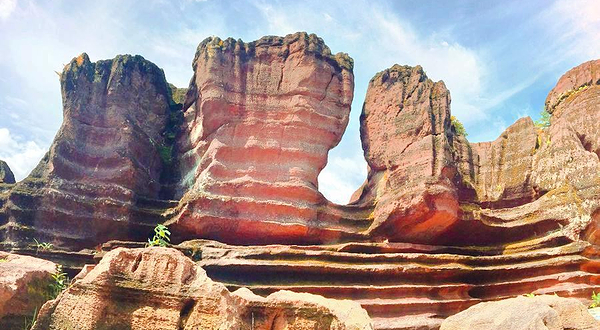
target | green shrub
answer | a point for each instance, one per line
(544, 120)
(161, 236)
(458, 126)
(595, 300)
(60, 281)
(43, 246)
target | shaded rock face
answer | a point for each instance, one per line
(105, 162)
(255, 139)
(160, 288)
(6, 175)
(526, 313)
(532, 181)
(24, 287)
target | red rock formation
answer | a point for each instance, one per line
(160, 288)
(439, 225)
(499, 219)
(405, 130)
(105, 163)
(24, 287)
(255, 139)
(6, 175)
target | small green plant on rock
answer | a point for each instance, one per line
(529, 295)
(60, 281)
(595, 300)
(161, 236)
(42, 246)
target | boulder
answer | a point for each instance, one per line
(160, 288)
(24, 286)
(6, 175)
(524, 313)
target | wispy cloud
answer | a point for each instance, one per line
(7, 7)
(21, 155)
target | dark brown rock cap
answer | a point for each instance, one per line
(6, 175)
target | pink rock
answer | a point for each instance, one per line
(405, 131)
(24, 287)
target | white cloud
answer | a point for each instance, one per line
(21, 156)
(7, 7)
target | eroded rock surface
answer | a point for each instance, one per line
(104, 167)
(24, 287)
(6, 175)
(160, 288)
(524, 313)
(406, 136)
(255, 139)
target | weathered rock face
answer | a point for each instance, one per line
(532, 181)
(524, 313)
(24, 287)
(160, 288)
(405, 130)
(105, 163)
(6, 175)
(255, 139)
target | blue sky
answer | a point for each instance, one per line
(498, 58)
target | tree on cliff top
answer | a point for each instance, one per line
(458, 127)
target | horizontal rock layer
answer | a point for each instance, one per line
(407, 286)
(160, 288)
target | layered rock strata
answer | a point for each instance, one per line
(160, 288)
(407, 286)
(102, 175)
(406, 137)
(260, 118)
